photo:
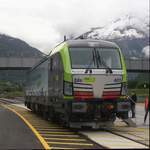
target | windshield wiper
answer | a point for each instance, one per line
(93, 60)
(101, 62)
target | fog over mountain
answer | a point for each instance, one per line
(146, 51)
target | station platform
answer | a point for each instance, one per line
(14, 133)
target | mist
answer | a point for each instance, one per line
(146, 51)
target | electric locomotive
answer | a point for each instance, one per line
(80, 83)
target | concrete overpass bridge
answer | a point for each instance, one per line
(15, 68)
(133, 65)
(18, 62)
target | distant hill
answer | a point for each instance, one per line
(10, 46)
(131, 33)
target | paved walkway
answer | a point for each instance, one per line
(140, 113)
(14, 133)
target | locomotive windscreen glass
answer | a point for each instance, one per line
(82, 58)
(109, 57)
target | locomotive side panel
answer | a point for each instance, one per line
(37, 85)
(55, 77)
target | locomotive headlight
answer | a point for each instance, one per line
(124, 90)
(68, 88)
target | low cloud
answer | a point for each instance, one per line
(146, 51)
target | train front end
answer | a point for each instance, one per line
(99, 83)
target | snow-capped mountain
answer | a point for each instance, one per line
(125, 27)
(131, 33)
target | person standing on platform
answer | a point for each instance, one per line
(133, 103)
(146, 108)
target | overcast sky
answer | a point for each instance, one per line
(42, 23)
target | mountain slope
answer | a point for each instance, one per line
(14, 47)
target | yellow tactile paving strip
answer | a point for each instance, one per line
(51, 135)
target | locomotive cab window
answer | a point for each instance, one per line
(95, 58)
(82, 58)
(109, 57)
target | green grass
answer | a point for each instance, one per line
(139, 92)
(10, 89)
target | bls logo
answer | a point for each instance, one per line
(77, 80)
(117, 80)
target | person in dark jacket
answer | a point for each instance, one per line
(146, 108)
(133, 103)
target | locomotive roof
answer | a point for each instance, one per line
(90, 43)
(79, 43)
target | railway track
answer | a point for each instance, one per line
(11, 101)
(58, 137)
(139, 135)
(112, 140)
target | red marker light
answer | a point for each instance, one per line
(109, 107)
